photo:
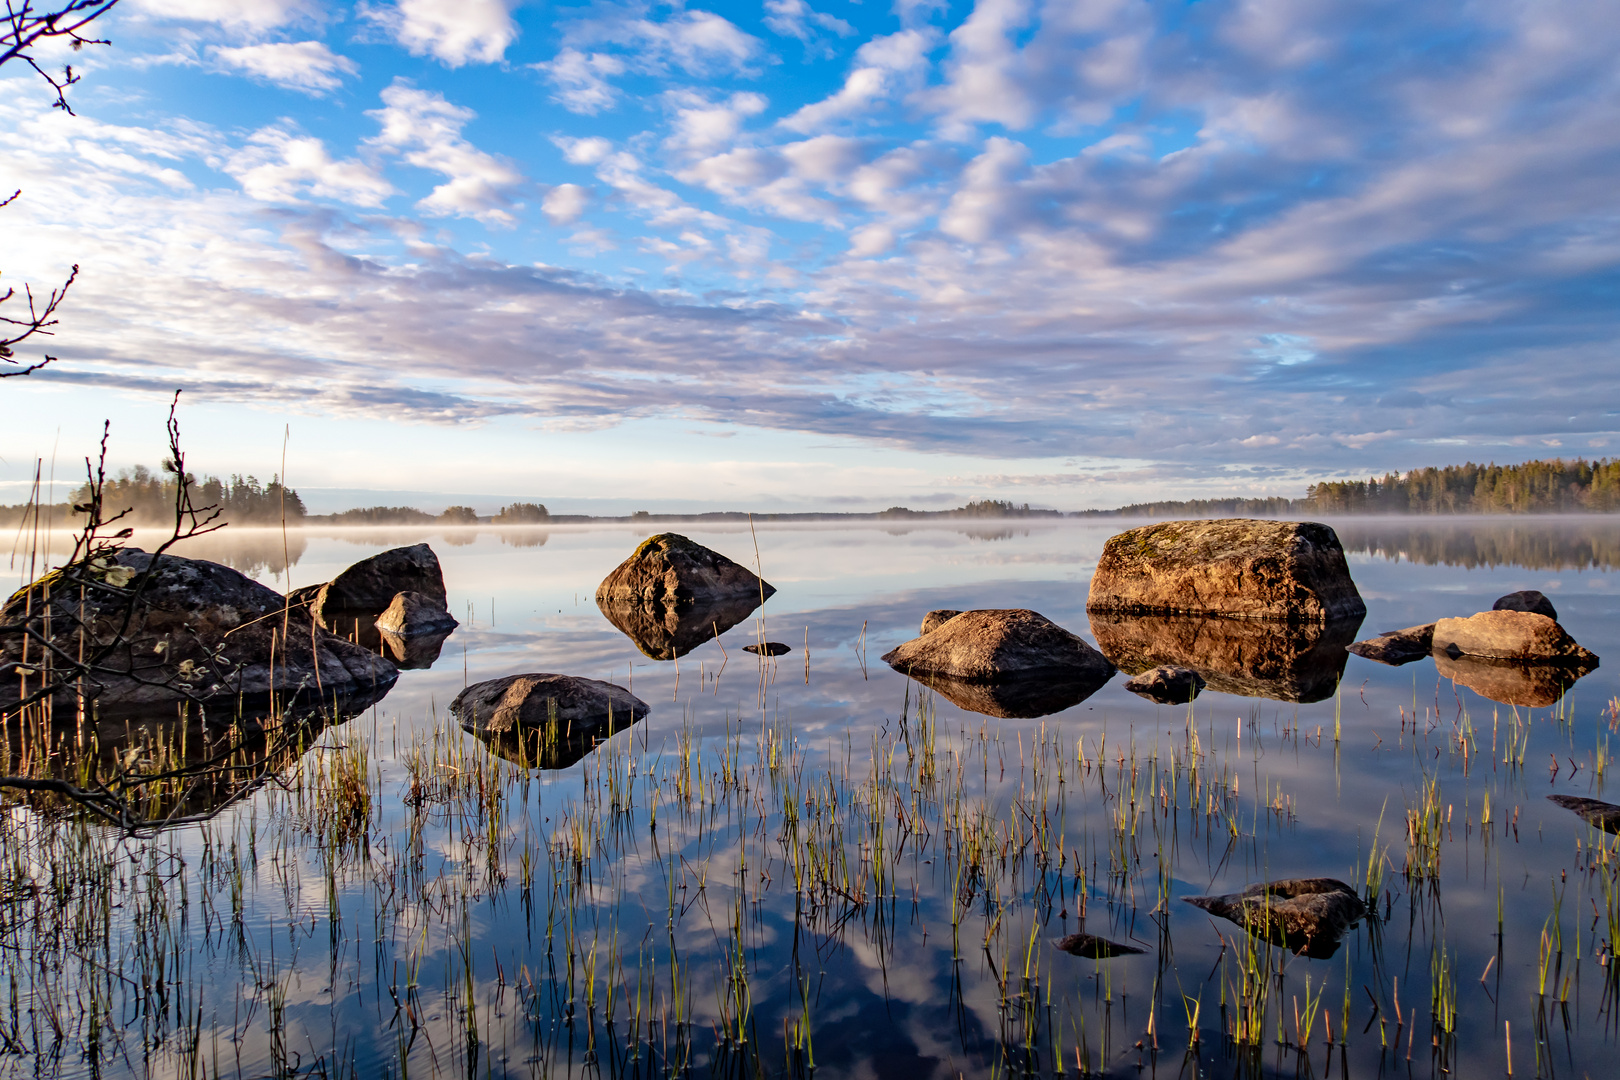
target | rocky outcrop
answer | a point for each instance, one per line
(197, 632)
(1397, 647)
(1526, 600)
(411, 613)
(1250, 657)
(1510, 635)
(351, 602)
(1091, 947)
(985, 646)
(1019, 697)
(770, 648)
(1237, 567)
(1512, 682)
(670, 570)
(1167, 685)
(937, 618)
(1307, 915)
(563, 704)
(305, 596)
(664, 631)
(1605, 816)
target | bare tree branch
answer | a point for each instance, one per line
(26, 25)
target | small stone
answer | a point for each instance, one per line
(411, 613)
(1167, 685)
(770, 648)
(1396, 647)
(1526, 600)
(1509, 635)
(1307, 915)
(1092, 947)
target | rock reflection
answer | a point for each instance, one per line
(663, 631)
(1092, 947)
(1512, 682)
(416, 652)
(549, 747)
(1020, 697)
(1248, 657)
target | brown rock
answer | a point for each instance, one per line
(411, 613)
(770, 648)
(669, 569)
(1307, 915)
(664, 631)
(1509, 635)
(565, 703)
(1249, 657)
(1512, 682)
(1091, 947)
(1019, 697)
(1167, 685)
(1605, 816)
(1526, 600)
(1397, 647)
(1237, 567)
(993, 644)
(934, 619)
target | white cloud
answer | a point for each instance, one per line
(702, 126)
(585, 151)
(565, 203)
(252, 15)
(797, 19)
(880, 66)
(455, 32)
(278, 165)
(981, 206)
(426, 130)
(581, 80)
(983, 72)
(308, 66)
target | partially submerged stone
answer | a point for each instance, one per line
(1605, 816)
(1512, 682)
(566, 703)
(1397, 647)
(350, 603)
(1309, 916)
(1509, 635)
(669, 569)
(770, 648)
(1167, 684)
(994, 644)
(1235, 567)
(1092, 947)
(937, 618)
(1250, 657)
(411, 613)
(1526, 600)
(1019, 697)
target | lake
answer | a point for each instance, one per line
(813, 865)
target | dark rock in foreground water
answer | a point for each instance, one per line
(1236, 567)
(1091, 947)
(1397, 647)
(539, 699)
(1307, 915)
(1509, 635)
(996, 643)
(1605, 816)
(937, 618)
(770, 648)
(664, 631)
(1512, 682)
(411, 613)
(1019, 697)
(1250, 657)
(1526, 600)
(669, 569)
(1167, 685)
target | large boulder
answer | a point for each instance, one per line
(1167, 684)
(1397, 647)
(564, 704)
(937, 618)
(1236, 567)
(988, 645)
(668, 570)
(1250, 657)
(354, 599)
(1510, 635)
(1526, 600)
(1512, 682)
(196, 632)
(1307, 915)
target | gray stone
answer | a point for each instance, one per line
(994, 644)
(411, 613)
(1307, 915)
(1167, 685)
(1236, 567)
(1526, 600)
(366, 589)
(1092, 947)
(1397, 647)
(540, 700)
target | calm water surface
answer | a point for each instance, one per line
(814, 866)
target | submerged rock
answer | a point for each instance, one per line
(664, 631)
(1309, 916)
(937, 618)
(565, 703)
(994, 644)
(1397, 647)
(1019, 697)
(1605, 816)
(668, 569)
(1526, 600)
(200, 633)
(1509, 635)
(1250, 657)
(1239, 567)
(411, 613)
(1512, 682)
(770, 648)
(1167, 685)
(1092, 947)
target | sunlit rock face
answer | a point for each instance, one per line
(1283, 661)
(669, 569)
(663, 631)
(998, 643)
(1510, 635)
(1513, 682)
(1235, 567)
(1019, 697)
(544, 720)
(1309, 916)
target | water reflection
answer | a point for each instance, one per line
(1020, 697)
(663, 631)
(413, 652)
(1545, 544)
(551, 747)
(1512, 682)
(1247, 657)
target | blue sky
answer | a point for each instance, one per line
(843, 255)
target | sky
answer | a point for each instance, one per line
(820, 255)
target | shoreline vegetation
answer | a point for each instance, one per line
(1552, 486)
